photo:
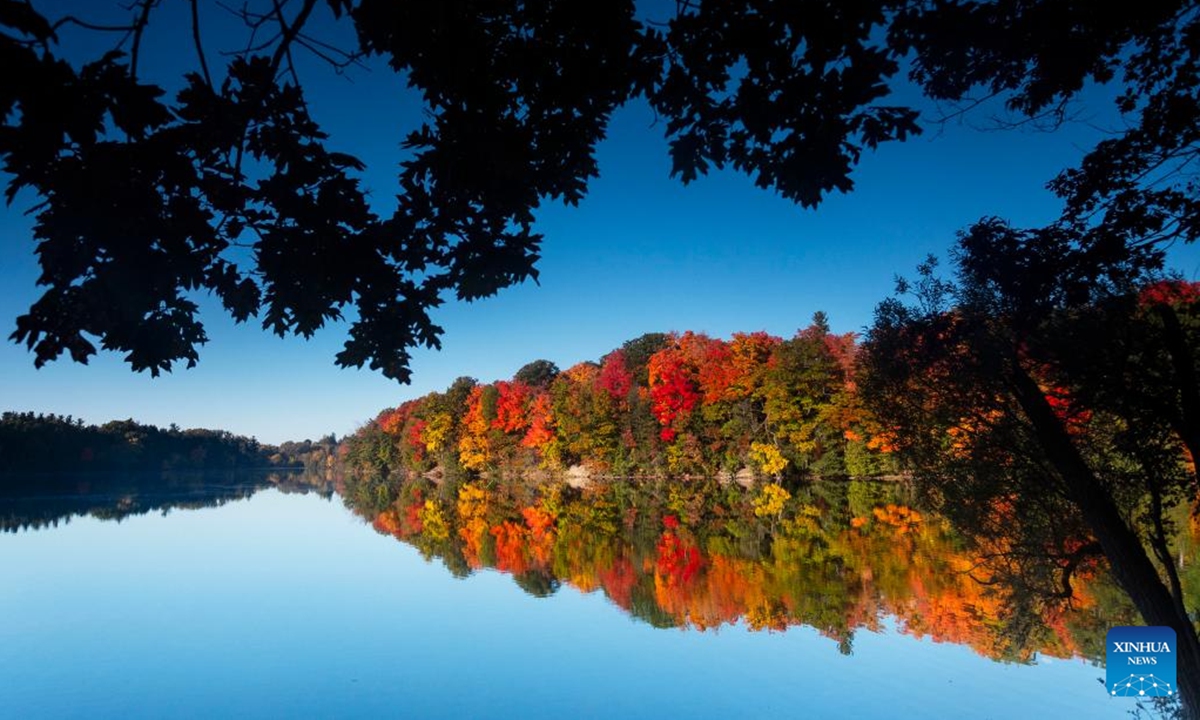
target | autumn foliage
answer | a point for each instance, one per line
(838, 568)
(677, 404)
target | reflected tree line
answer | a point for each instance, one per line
(698, 553)
(117, 496)
(836, 556)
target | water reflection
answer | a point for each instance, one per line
(39, 501)
(839, 557)
(290, 606)
(842, 557)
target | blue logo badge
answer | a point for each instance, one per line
(1141, 662)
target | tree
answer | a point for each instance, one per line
(673, 389)
(614, 377)
(999, 386)
(476, 444)
(790, 95)
(540, 435)
(638, 353)
(230, 156)
(801, 390)
(704, 405)
(537, 374)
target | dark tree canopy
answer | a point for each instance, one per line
(227, 184)
(1048, 404)
(539, 373)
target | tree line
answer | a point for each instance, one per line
(660, 405)
(45, 442)
(839, 557)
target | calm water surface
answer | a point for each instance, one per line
(279, 604)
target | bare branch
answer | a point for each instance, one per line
(331, 48)
(289, 34)
(315, 48)
(336, 57)
(251, 48)
(253, 20)
(138, 28)
(199, 45)
(72, 20)
(960, 110)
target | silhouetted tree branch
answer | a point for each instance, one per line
(517, 95)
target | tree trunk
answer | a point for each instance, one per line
(1131, 566)
(1187, 421)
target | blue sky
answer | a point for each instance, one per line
(641, 253)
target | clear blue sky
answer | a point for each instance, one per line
(641, 254)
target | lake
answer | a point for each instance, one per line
(268, 597)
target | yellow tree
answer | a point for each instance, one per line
(474, 447)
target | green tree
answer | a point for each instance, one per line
(800, 389)
(537, 374)
(638, 352)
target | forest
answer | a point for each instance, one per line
(49, 443)
(1058, 441)
(660, 405)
